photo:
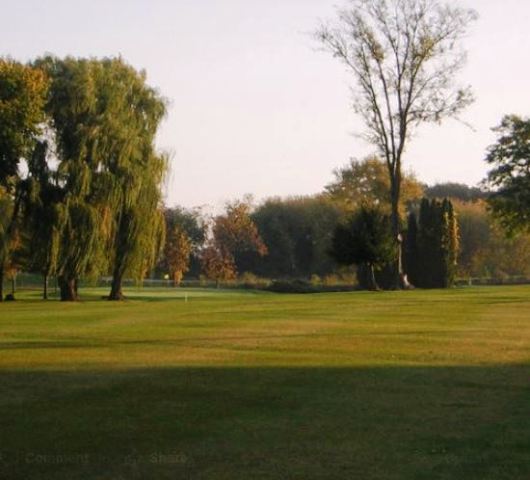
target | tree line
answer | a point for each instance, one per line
(81, 178)
(448, 230)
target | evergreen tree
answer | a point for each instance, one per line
(437, 244)
(449, 244)
(410, 251)
(366, 241)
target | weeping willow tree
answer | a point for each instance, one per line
(83, 214)
(140, 226)
(43, 215)
(6, 209)
(22, 96)
(132, 114)
(104, 118)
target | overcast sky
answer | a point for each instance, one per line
(254, 107)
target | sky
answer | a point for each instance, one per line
(254, 106)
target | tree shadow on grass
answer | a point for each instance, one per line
(267, 423)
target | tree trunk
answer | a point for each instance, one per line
(68, 289)
(13, 284)
(400, 278)
(372, 282)
(116, 292)
(2, 283)
(45, 287)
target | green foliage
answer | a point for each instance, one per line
(509, 178)
(367, 182)
(140, 227)
(364, 240)
(104, 118)
(184, 228)
(43, 214)
(22, 98)
(432, 246)
(455, 191)
(297, 232)
(403, 57)
(485, 250)
(189, 221)
(6, 211)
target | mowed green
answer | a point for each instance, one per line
(248, 385)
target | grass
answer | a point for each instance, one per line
(244, 385)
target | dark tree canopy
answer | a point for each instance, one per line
(453, 190)
(365, 239)
(297, 232)
(432, 245)
(509, 178)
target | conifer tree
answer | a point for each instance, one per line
(449, 244)
(364, 240)
(437, 244)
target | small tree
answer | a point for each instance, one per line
(450, 244)
(186, 232)
(509, 178)
(218, 264)
(365, 240)
(233, 234)
(297, 232)
(437, 244)
(177, 253)
(403, 56)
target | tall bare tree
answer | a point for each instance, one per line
(404, 56)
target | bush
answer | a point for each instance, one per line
(251, 281)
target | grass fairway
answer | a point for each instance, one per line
(236, 385)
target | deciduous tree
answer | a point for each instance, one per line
(509, 178)
(104, 118)
(22, 97)
(233, 234)
(367, 182)
(403, 55)
(177, 252)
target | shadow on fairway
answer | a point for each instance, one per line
(267, 423)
